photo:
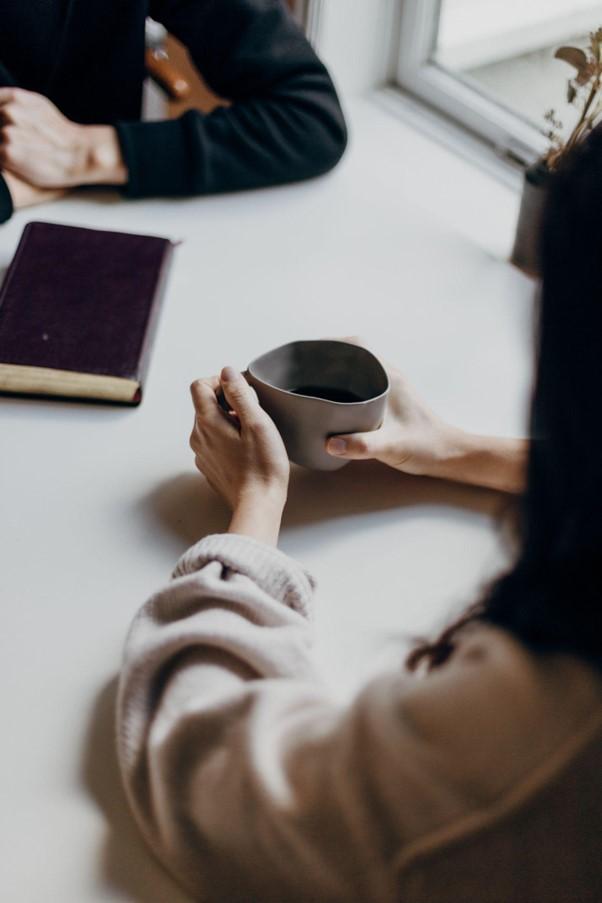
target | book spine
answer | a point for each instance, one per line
(153, 321)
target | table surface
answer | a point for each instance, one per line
(404, 245)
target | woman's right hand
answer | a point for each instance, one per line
(412, 439)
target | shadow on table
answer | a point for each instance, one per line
(107, 196)
(126, 863)
(188, 509)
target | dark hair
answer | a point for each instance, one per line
(551, 600)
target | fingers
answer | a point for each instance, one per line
(20, 95)
(19, 107)
(14, 151)
(204, 397)
(240, 396)
(206, 413)
(356, 446)
(239, 407)
(7, 95)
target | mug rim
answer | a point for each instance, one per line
(347, 404)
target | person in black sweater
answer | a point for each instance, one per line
(71, 76)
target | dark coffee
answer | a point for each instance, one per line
(328, 393)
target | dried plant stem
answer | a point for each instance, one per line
(588, 80)
(584, 121)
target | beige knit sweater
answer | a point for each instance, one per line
(479, 782)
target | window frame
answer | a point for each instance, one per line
(418, 75)
(308, 13)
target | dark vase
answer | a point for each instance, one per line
(526, 250)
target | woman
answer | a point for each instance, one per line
(477, 782)
(71, 76)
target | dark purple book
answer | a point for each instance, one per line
(78, 311)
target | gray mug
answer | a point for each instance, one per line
(316, 389)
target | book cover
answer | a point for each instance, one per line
(78, 311)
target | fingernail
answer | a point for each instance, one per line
(228, 374)
(337, 446)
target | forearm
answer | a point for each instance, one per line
(489, 461)
(284, 122)
(259, 514)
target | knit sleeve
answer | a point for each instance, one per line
(251, 783)
(6, 201)
(247, 779)
(284, 122)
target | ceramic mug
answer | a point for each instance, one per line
(316, 389)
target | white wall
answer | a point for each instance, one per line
(350, 36)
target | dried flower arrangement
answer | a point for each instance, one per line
(582, 92)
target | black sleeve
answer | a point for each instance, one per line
(6, 201)
(284, 124)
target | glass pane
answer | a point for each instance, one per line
(506, 49)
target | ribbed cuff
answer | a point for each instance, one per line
(273, 571)
(157, 157)
(6, 202)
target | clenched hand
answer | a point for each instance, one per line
(43, 148)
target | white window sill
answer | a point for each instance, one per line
(437, 166)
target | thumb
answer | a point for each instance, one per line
(356, 445)
(238, 393)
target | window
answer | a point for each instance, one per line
(308, 14)
(489, 64)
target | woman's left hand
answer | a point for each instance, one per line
(241, 454)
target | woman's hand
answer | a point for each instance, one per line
(414, 440)
(45, 149)
(241, 454)
(25, 195)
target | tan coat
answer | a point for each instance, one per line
(478, 783)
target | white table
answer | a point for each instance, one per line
(404, 245)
